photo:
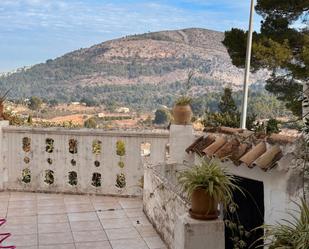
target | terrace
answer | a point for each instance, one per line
(77, 188)
(62, 221)
(84, 188)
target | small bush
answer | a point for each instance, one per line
(290, 235)
(272, 126)
(90, 123)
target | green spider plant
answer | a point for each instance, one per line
(212, 178)
(292, 234)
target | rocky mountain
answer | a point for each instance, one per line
(156, 59)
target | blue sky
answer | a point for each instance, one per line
(33, 31)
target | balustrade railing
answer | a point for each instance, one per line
(78, 161)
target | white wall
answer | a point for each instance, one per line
(13, 159)
(278, 201)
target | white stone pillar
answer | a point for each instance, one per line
(3, 123)
(197, 234)
(181, 137)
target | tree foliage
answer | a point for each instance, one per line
(281, 46)
(228, 114)
(90, 123)
(227, 103)
(161, 116)
(35, 103)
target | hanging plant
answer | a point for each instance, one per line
(238, 235)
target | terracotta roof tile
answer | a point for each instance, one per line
(200, 144)
(239, 152)
(210, 129)
(215, 146)
(227, 149)
(279, 138)
(243, 148)
(253, 154)
(246, 134)
(229, 130)
(192, 147)
(224, 130)
(269, 158)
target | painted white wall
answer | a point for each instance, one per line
(277, 201)
(181, 136)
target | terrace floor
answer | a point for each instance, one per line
(58, 221)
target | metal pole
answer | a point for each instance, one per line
(247, 70)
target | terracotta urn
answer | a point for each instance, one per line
(182, 114)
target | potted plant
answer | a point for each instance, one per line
(290, 233)
(182, 112)
(207, 184)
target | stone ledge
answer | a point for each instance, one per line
(86, 132)
(197, 234)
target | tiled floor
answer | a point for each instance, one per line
(56, 221)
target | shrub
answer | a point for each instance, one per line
(292, 234)
(272, 126)
(162, 116)
(90, 123)
(35, 103)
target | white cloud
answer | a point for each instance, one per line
(60, 14)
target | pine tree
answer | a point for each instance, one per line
(227, 103)
(282, 46)
(228, 114)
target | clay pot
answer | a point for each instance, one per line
(203, 206)
(182, 114)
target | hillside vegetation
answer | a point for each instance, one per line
(152, 60)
